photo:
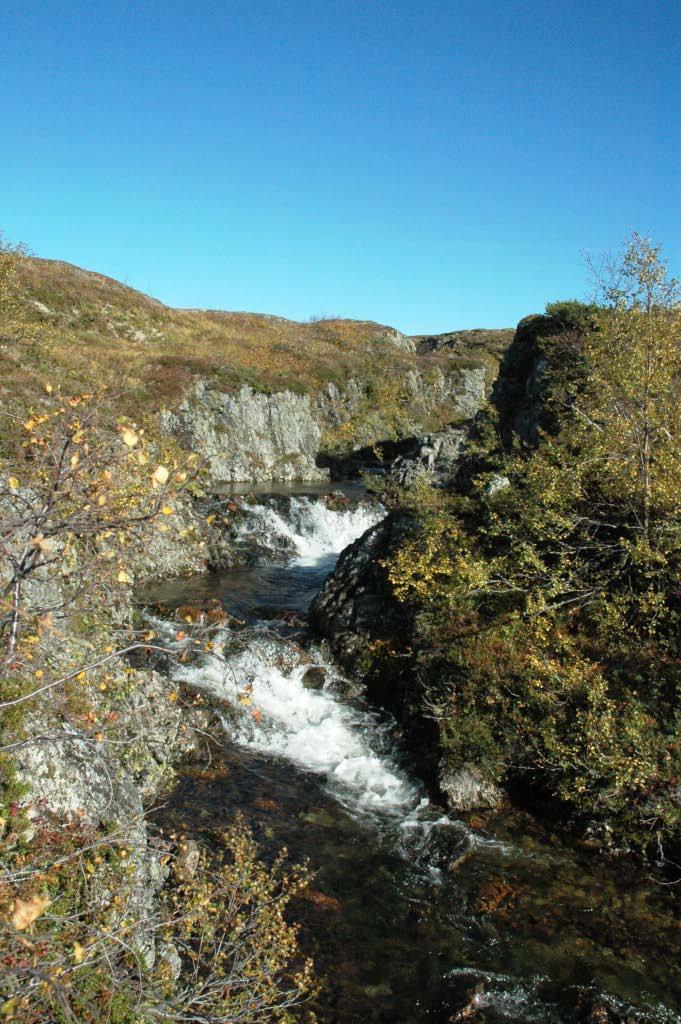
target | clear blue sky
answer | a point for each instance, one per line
(432, 165)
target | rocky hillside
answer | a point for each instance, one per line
(259, 397)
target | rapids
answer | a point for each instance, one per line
(426, 917)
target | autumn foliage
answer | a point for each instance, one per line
(546, 596)
(85, 491)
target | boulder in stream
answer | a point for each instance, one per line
(466, 789)
(314, 678)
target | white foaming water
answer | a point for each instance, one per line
(314, 532)
(262, 676)
(276, 714)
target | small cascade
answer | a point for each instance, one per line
(308, 530)
(276, 713)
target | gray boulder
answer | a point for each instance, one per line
(466, 789)
(435, 456)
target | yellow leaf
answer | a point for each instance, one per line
(27, 911)
(167, 510)
(130, 438)
(75, 459)
(13, 482)
(78, 952)
(161, 475)
(123, 577)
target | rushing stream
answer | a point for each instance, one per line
(414, 916)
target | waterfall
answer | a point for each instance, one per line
(265, 677)
(275, 713)
(309, 530)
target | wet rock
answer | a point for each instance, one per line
(314, 678)
(356, 601)
(466, 789)
(445, 846)
(471, 1008)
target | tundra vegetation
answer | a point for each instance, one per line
(544, 595)
(92, 333)
(84, 489)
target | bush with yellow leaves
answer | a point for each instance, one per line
(226, 952)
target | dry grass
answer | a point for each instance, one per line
(96, 333)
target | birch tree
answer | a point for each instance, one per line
(632, 402)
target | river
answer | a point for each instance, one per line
(414, 915)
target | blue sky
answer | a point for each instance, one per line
(432, 165)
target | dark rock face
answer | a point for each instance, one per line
(518, 388)
(368, 631)
(542, 345)
(356, 605)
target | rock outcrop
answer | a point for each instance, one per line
(73, 776)
(542, 348)
(466, 789)
(356, 606)
(435, 456)
(249, 436)
(358, 614)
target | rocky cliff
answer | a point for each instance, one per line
(252, 436)
(259, 397)
(249, 436)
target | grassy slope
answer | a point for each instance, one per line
(94, 332)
